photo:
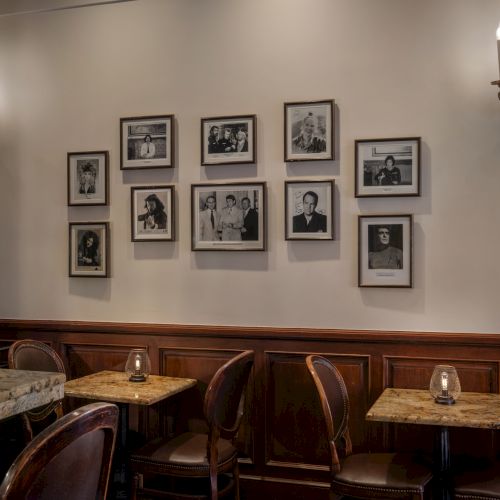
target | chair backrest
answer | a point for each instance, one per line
(224, 399)
(69, 459)
(36, 356)
(334, 403)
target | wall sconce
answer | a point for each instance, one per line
(497, 82)
(445, 385)
(138, 366)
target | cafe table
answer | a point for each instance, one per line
(114, 387)
(412, 406)
(24, 390)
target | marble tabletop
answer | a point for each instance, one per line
(115, 387)
(411, 406)
(23, 390)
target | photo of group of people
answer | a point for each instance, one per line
(228, 140)
(385, 250)
(147, 142)
(228, 217)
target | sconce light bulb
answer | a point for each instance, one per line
(498, 32)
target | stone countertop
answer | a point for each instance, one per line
(411, 406)
(115, 387)
(23, 390)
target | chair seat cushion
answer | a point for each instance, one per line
(184, 454)
(389, 474)
(480, 484)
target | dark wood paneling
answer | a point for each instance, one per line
(282, 436)
(83, 359)
(295, 431)
(415, 373)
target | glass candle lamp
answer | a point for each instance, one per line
(138, 366)
(445, 385)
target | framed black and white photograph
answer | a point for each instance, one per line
(309, 131)
(88, 178)
(309, 210)
(228, 216)
(385, 251)
(387, 167)
(147, 142)
(228, 140)
(89, 249)
(152, 215)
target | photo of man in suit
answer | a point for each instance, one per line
(231, 220)
(309, 221)
(250, 229)
(209, 221)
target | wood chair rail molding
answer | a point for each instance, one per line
(278, 454)
(250, 332)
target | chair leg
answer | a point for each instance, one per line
(59, 410)
(28, 431)
(236, 479)
(135, 486)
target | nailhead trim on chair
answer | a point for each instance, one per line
(391, 490)
(165, 467)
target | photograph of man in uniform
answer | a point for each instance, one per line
(309, 221)
(385, 246)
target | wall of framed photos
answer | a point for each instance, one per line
(417, 72)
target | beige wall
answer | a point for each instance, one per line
(394, 67)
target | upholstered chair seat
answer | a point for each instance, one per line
(478, 484)
(384, 475)
(187, 450)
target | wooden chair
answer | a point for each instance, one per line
(194, 456)
(69, 459)
(36, 356)
(361, 475)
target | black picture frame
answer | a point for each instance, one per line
(228, 140)
(152, 222)
(137, 152)
(228, 216)
(385, 251)
(89, 249)
(387, 167)
(88, 178)
(309, 210)
(309, 131)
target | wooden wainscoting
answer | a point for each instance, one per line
(282, 438)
